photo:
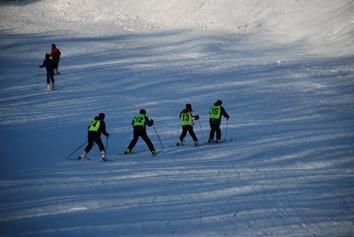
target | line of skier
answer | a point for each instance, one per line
(97, 127)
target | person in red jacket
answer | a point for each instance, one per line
(55, 54)
(187, 117)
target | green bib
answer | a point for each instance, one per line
(94, 125)
(215, 112)
(139, 120)
(186, 119)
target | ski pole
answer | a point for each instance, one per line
(37, 79)
(75, 150)
(106, 145)
(158, 135)
(201, 130)
(227, 126)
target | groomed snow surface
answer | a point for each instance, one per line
(284, 70)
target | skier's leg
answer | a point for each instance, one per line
(192, 133)
(99, 143)
(52, 79)
(133, 141)
(218, 133)
(212, 131)
(48, 80)
(89, 146)
(148, 142)
(183, 135)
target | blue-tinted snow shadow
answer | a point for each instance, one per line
(17, 2)
(292, 125)
(272, 105)
(144, 198)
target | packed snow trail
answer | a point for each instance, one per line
(287, 172)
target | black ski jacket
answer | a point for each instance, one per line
(48, 64)
(101, 129)
(222, 113)
(148, 122)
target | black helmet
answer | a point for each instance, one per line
(53, 46)
(101, 116)
(188, 106)
(142, 111)
(218, 102)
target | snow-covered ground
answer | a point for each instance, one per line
(284, 70)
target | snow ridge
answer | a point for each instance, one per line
(317, 24)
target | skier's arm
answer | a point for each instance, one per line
(180, 114)
(43, 64)
(224, 113)
(149, 122)
(103, 129)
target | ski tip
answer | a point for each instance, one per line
(107, 160)
(154, 153)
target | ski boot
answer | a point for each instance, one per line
(154, 152)
(103, 156)
(128, 151)
(179, 143)
(83, 156)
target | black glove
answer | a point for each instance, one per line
(107, 135)
(196, 117)
(152, 122)
(227, 118)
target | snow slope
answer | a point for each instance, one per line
(287, 172)
(323, 27)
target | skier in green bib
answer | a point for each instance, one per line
(96, 127)
(187, 117)
(139, 123)
(215, 113)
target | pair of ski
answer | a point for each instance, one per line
(205, 143)
(88, 159)
(158, 151)
(108, 160)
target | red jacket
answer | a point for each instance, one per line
(55, 54)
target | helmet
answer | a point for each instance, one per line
(218, 102)
(142, 111)
(53, 45)
(188, 106)
(101, 116)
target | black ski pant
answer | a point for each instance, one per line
(141, 132)
(94, 137)
(56, 64)
(50, 76)
(189, 129)
(215, 128)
